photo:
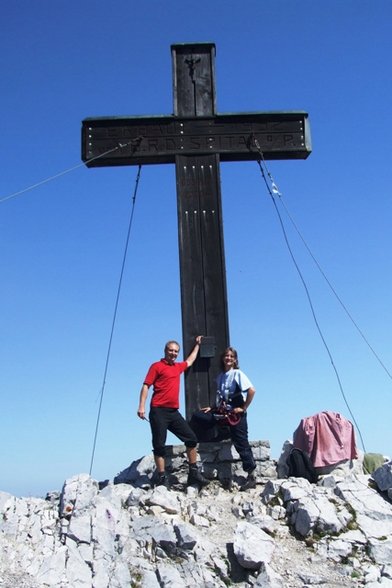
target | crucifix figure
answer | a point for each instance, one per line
(196, 139)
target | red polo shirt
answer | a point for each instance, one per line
(165, 378)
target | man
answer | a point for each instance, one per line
(164, 376)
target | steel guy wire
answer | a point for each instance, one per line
(62, 173)
(273, 191)
(114, 318)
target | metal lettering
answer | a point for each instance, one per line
(169, 129)
(171, 145)
(152, 145)
(243, 142)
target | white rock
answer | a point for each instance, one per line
(170, 576)
(79, 528)
(162, 497)
(380, 550)
(52, 569)
(78, 493)
(107, 539)
(78, 572)
(252, 546)
(267, 578)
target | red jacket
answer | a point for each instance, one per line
(327, 437)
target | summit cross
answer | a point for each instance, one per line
(196, 138)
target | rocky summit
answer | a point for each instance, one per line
(285, 532)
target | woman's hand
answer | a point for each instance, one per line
(239, 410)
(206, 409)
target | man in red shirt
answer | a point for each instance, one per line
(164, 376)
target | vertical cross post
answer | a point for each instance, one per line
(202, 262)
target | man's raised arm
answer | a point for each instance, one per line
(193, 354)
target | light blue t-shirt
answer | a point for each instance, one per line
(227, 383)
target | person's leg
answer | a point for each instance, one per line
(158, 424)
(239, 435)
(159, 464)
(179, 427)
(203, 424)
(191, 453)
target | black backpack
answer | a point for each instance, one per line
(300, 466)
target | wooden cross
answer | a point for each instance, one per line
(196, 139)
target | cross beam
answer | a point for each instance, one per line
(139, 141)
(196, 139)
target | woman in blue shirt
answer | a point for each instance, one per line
(235, 392)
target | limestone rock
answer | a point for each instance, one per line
(285, 533)
(252, 546)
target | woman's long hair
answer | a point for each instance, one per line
(234, 352)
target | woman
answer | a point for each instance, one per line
(230, 409)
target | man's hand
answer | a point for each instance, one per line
(141, 411)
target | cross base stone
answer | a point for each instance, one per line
(218, 461)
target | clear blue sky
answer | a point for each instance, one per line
(62, 243)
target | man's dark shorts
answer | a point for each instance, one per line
(163, 420)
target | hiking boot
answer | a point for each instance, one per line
(195, 477)
(227, 484)
(249, 483)
(163, 480)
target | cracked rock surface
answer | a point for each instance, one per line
(284, 533)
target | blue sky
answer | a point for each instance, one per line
(62, 243)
